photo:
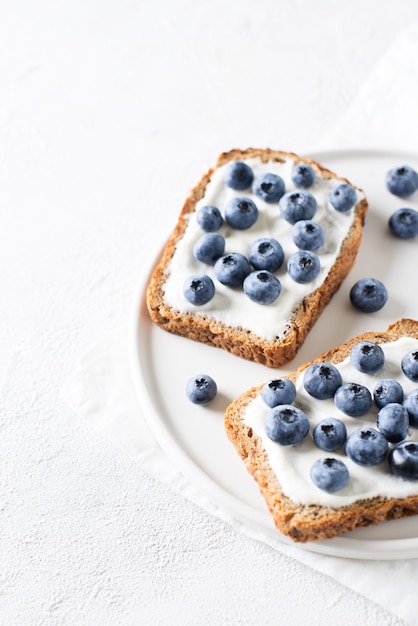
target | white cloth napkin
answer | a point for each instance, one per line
(382, 116)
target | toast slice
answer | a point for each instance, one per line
(268, 334)
(301, 510)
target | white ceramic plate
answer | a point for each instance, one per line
(193, 437)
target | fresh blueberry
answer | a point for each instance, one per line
(231, 269)
(368, 295)
(266, 254)
(286, 424)
(353, 399)
(403, 460)
(209, 248)
(393, 422)
(321, 380)
(387, 390)
(411, 405)
(262, 287)
(367, 447)
(402, 181)
(239, 176)
(269, 187)
(241, 213)
(330, 434)
(303, 266)
(303, 175)
(278, 391)
(409, 365)
(330, 475)
(199, 289)
(367, 357)
(209, 218)
(298, 205)
(403, 223)
(201, 389)
(343, 197)
(307, 235)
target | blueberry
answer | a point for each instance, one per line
(303, 175)
(409, 365)
(387, 390)
(411, 405)
(303, 266)
(231, 269)
(269, 187)
(262, 287)
(201, 389)
(330, 434)
(353, 399)
(393, 422)
(241, 213)
(308, 235)
(343, 197)
(266, 254)
(321, 380)
(367, 357)
(368, 295)
(286, 424)
(209, 218)
(402, 181)
(199, 289)
(298, 205)
(403, 460)
(367, 447)
(403, 223)
(239, 176)
(278, 391)
(209, 248)
(330, 475)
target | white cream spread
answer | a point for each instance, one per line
(232, 306)
(292, 464)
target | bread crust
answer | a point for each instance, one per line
(313, 522)
(240, 341)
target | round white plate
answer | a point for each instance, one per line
(194, 438)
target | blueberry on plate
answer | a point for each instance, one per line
(308, 235)
(266, 254)
(303, 266)
(330, 475)
(303, 175)
(343, 197)
(201, 389)
(368, 295)
(409, 365)
(286, 424)
(330, 434)
(403, 223)
(393, 422)
(367, 357)
(402, 181)
(321, 380)
(209, 218)
(262, 287)
(231, 269)
(387, 390)
(403, 460)
(298, 205)
(411, 405)
(199, 289)
(239, 176)
(278, 391)
(353, 399)
(366, 447)
(269, 187)
(209, 248)
(241, 213)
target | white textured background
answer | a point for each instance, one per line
(109, 112)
